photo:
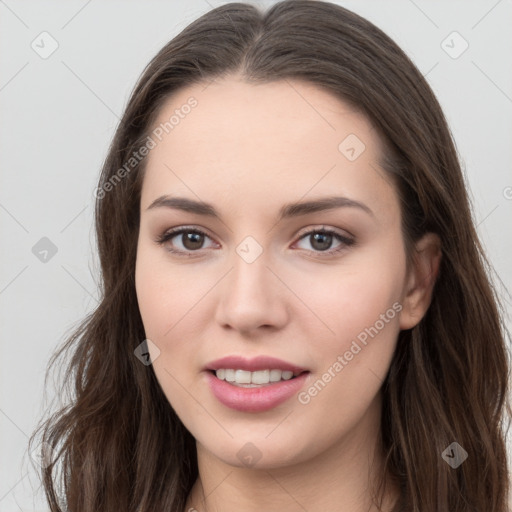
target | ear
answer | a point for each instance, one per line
(420, 281)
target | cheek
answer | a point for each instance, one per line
(358, 296)
(166, 293)
(166, 302)
(164, 298)
(362, 307)
(360, 304)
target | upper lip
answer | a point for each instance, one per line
(253, 364)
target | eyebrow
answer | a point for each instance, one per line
(287, 211)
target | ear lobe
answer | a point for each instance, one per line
(421, 280)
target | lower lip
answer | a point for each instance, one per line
(254, 399)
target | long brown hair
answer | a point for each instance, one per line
(118, 445)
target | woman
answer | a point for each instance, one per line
(296, 313)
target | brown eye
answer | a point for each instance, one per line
(183, 240)
(192, 240)
(321, 240)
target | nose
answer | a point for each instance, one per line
(252, 297)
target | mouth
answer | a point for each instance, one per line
(254, 385)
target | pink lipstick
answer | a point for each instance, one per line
(254, 385)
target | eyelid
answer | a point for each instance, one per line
(322, 227)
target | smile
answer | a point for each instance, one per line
(250, 397)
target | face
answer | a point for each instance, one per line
(319, 289)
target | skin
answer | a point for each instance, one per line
(248, 150)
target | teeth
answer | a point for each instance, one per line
(249, 378)
(275, 375)
(242, 377)
(260, 377)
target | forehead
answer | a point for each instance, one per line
(257, 142)
(233, 112)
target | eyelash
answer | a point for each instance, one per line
(168, 235)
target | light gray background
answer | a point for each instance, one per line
(58, 116)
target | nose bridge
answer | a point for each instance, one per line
(249, 273)
(250, 296)
(249, 279)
